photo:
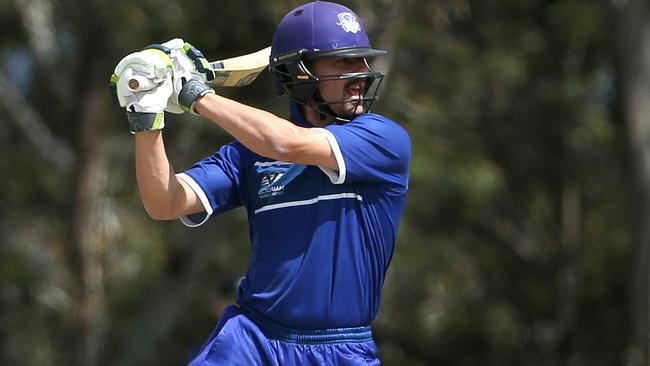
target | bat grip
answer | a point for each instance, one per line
(139, 83)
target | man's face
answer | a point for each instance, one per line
(350, 91)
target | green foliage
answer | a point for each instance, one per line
(515, 245)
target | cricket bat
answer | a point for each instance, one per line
(234, 71)
(240, 70)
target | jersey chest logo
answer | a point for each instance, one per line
(269, 179)
(272, 177)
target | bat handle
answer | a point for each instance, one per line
(139, 83)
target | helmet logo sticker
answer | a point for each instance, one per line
(348, 21)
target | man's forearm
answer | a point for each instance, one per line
(267, 134)
(260, 131)
(155, 175)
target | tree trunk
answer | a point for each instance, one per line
(634, 72)
(86, 238)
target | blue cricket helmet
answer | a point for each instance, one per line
(319, 30)
(323, 29)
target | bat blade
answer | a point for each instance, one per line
(234, 71)
(239, 70)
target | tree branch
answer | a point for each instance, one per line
(30, 122)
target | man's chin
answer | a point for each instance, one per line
(352, 111)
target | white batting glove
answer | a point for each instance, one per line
(143, 85)
(187, 63)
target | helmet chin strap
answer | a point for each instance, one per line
(324, 111)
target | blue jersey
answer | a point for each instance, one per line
(321, 239)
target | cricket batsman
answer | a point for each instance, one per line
(324, 189)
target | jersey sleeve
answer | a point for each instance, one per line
(370, 148)
(216, 180)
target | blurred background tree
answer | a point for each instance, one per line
(525, 240)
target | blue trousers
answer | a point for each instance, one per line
(242, 337)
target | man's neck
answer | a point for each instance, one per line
(314, 118)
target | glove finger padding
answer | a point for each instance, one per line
(187, 63)
(151, 70)
(143, 85)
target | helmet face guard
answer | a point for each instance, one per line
(321, 30)
(293, 76)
